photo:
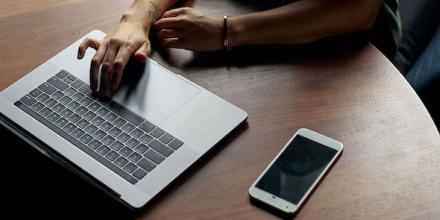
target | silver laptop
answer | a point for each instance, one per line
(132, 146)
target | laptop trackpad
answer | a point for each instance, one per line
(153, 92)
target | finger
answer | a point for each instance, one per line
(173, 22)
(119, 64)
(88, 42)
(107, 68)
(143, 52)
(173, 43)
(169, 33)
(95, 64)
(174, 12)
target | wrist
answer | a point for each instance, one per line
(234, 32)
(136, 20)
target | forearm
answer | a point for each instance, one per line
(303, 21)
(147, 11)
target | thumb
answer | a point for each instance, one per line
(143, 52)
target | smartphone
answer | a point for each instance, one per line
(296, 170)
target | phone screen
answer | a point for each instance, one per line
(296, 169)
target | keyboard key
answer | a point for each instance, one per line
(57, 95)
(137, 133)
(43, 97)
(117, 146)
(78, 96)
(58, 108)
(45, 112)
(130, 167)
(77, 133)
(86, 101)
(74, 118)
(57, 83)
(128, 127)
(154, 156)
(98, 121)
(35, 93)
(102, 111)
(70, 92)
(157, 133)
(82, 124)
(132, 143)
(89, 116)
(94, 106)
(161, 148)
(86, 90)
(107, 140)
(61, 122)
(125, 151)
(119, 122)
(81, 110)
(114, 132)
(123, 137)
(94, 144)
(73, 105)
(85, 139)
(147, 126)
(91, 129)
(141, 148)
(146, 139)
(121, 161)
(66, 113)
(48, 89)
(103, 150)
(65, 100)
(112, 156)
(77, 84)
(53, 117)
(28, 100)
(126, 113)
(50, 103)
(175, 144)
(166, 138)
(134, 157)
(69, 128)
(37, 107)
(146, 164)
(111, 117)
(61, 74)
(139, 174)
(106, 126)
(69, 78)
(99, 135)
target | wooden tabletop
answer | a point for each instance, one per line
(346, 89)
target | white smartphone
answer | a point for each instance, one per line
(296, 171)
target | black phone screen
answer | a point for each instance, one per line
(296, 169)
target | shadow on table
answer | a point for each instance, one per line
(242, 56)
(37, 187)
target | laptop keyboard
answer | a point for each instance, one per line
(113, 135)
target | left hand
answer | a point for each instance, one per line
(189, 29)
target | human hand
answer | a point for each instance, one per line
(189, 29)
(129, 39)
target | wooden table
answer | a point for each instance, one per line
(390, 168)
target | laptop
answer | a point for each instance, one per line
(132, 146)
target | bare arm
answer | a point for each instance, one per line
(299, 22)
(129, 38)
(304, 21)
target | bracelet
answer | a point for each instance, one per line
(225, 33)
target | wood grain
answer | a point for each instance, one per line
(345, 89)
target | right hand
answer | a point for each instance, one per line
(129, 39)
